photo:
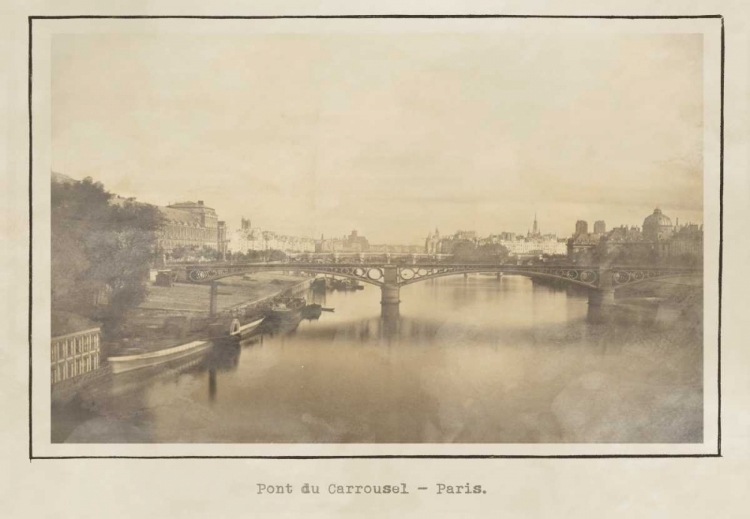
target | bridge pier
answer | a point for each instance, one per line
(499, 276)
(390, 312)
(601, 297)
(390, 292)
(605, 294)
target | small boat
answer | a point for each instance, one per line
(324, 309)
(287, 310)
(340, 284)
(244, 330)
(311, 311)
(153, 358)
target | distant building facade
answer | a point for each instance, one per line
(248, 238)
(432, 242)
(352, 243)
(400, 249)
(435, 244)
(223, 240)
(687, 241)
(533, 243)
(189, 224)
(582, 244)
(657, 240)
(657, 226)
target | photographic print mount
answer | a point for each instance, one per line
(366, 265)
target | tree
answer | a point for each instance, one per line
(492, 253)
(464, 250)
(101, 252)
(276, 255)
(467, 251)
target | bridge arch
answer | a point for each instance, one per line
(633, 277)
(589, 281)
(356, 273)
(381, 275)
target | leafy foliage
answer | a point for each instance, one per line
(101, 251)
(194, 253)
(467, 251)
(257, 255)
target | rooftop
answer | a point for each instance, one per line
(180, 216)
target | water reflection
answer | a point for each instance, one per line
(465, 360)
(212, 384)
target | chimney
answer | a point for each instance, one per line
(200, 202)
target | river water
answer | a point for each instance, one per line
(468, 360)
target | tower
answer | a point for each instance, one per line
(600, 227)
(582, 227)
(536, 226)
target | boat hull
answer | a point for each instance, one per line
(247, 329)
(145, 360)
(283, 315)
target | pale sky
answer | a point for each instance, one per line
(390, 134)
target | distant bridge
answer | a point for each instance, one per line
(601, 282)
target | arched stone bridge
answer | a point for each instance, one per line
(601, 281)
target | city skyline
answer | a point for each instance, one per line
(572, 128)
(448, 231)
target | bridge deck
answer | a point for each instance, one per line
(391, 274)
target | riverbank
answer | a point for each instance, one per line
(681, 289)
(232, 292)
(178, 314)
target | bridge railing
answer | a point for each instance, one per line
(469, 264)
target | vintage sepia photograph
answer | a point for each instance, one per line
(291, 233)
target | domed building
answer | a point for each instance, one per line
(657, 226)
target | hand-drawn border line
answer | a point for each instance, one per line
(387, 16)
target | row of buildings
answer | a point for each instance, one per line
(352, 243)
(192, 224)
(657, 239)
(248, 238)
(195, 225)
(534, 242)
(356, 243)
